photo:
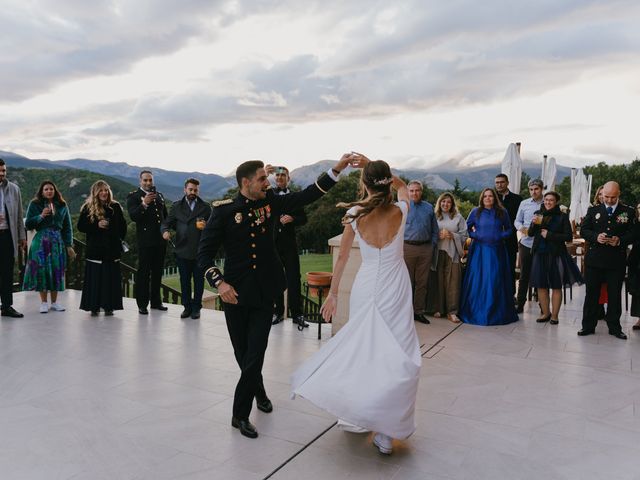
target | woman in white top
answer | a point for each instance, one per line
(367, 375)
(453, 233)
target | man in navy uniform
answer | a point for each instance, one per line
(253, 273)
(146, 207)
(608, 228)
(287, 247)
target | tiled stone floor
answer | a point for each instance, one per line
(133, 397)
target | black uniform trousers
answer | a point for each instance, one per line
(249, 329)
(7, 260)
(150, 263)
(525, 273)
(594, 277)
(291, 263)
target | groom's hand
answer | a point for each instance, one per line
(228, 293)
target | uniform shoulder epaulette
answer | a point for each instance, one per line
(219, 203)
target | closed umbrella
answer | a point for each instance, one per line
(580, 194)
(512, 167)
(549, 172)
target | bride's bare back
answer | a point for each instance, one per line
(380, 227)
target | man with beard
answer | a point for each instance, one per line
(188, 217)
(253, 274)
(511, 202)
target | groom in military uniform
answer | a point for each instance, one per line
(608, 228)
(253, 274)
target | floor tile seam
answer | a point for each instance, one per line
(304, 447)
(434, 345)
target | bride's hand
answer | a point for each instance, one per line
(328, 308)
(358, 160)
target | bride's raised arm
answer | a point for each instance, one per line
(401, 187)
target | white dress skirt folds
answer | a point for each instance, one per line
(367, 374)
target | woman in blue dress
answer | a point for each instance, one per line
(487, 286)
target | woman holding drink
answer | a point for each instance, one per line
(102, 220)
(47, 259)
(551, 266)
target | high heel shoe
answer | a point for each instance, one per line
(544, 319)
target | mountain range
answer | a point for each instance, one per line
(213, 186)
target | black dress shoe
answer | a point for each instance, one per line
(108, 313)
(584, 332)
(421, 317)
(185, 313)
(246, 427)
(264, 405)
(195, 314)
(519, 308)
(620, 335)
(160, 307)
(300, 321)
(95, 313)
(636, 326)
(276, 319)
(143, 311)
(11, 312)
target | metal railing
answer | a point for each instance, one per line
(74, 277)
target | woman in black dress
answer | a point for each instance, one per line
(552, 268)
(102, 220)
(633, 278)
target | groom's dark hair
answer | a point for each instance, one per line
(248, 170)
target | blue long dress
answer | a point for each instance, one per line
(487, 285)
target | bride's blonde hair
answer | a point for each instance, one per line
(374, 191)
(94, 206)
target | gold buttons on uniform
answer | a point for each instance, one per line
(254, 255)
(254, 267)
(253, 245)
(253, 234)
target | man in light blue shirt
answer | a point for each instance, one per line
(522, 222)
(420, 238)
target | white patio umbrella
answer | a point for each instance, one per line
(580, 195)
(549, 172)
(512, 167)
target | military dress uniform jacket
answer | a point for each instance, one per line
(245, 228)
(622, 223)
(183, 220)
(148, 220)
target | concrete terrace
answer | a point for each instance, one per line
(149, 397)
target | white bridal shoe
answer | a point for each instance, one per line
(383, 442)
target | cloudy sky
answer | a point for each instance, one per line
(205, 84)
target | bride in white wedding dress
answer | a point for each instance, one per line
(367, 375)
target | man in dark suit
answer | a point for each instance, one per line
(188, 217)
(146, 207)
(253, 274)
(287, 247)
(608, 228)
(511, 202)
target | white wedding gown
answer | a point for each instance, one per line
(367, 375)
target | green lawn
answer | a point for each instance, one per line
(312, 262)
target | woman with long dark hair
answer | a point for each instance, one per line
(487, 287)
(367, 374)
(551, 266)
(102, 220)
(48, 214)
